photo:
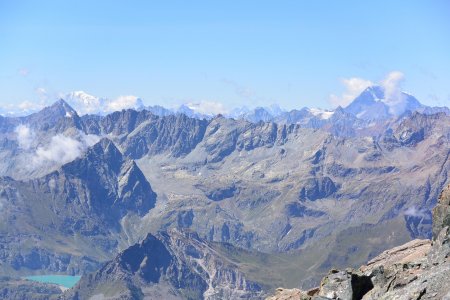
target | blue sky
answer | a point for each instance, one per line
(294, 53)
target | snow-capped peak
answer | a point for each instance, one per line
(85, 103)
(377, 102)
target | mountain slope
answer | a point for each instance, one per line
(170, 265)
(417, 270)
(265, 186)
(70, 219)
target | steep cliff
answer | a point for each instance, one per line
(169, 265)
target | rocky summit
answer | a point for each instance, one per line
(170, 265)
(416, 270)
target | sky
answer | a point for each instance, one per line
(223, 54)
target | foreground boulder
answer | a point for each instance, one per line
(416, 270)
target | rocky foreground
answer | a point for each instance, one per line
(416, 270)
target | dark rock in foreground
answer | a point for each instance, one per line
(416, 270)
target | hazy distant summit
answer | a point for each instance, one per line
(375, 103)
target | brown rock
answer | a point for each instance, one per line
(441, 212)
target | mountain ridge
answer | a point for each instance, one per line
(84, 200)
(372, 104)
(266, 186)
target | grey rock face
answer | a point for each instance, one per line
(180, 262)
(58, 117)
(233, 181)
(317, 188)
(68, 220)
(348, 285)
(441, 213)
(141, 132)
(222, 193)
(19, 289)
(115, 185)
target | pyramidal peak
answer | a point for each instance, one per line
(376, 103)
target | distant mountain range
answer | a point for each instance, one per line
(371, 105)
(229, 203)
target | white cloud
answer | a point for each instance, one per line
(415, 212)
(393, 95)
(84, 103)
(353, 87)
(208, 107)
(24, 136)
(124, 102)
(63, 149)
(392, 85)
(20, 109)
(89, 139)
(52, 183)
(28, 106)
(392, 82)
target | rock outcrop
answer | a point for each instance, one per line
(441, 213)
(416, 270)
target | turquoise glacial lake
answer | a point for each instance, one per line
(63, 280)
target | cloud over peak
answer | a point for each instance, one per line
(124, 102)
(63, 149)
(391, 83)
(24, 136)
(353, 87)
(393, 95)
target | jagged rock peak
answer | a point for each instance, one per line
(105, 147)
(103, 152)
(171, 264)
(59, 108)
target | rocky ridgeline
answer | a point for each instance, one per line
(169, 265)
(416, 270)
(68, 221)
